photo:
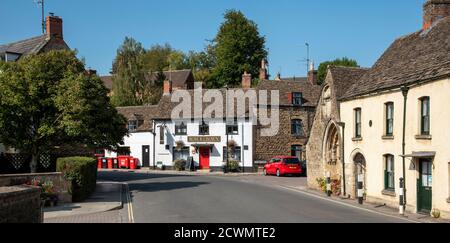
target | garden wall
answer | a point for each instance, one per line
(20, 204)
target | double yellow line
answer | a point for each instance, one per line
(129, 203)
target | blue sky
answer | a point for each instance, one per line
(358, 29)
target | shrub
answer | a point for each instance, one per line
(82, 173)
(179, 164)
(233, 165)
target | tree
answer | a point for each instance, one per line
(129, 80)
(345, 62)
(49, 99)
(238, 47)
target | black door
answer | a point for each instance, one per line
(424, 186)
(146, 156)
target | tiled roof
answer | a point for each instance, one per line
(344, 78)
(310, 92)
(107, 81)
(144, 114)
(26, 47)
(421, 56)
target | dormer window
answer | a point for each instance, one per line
(297, 98)
(181, 129)
(132, 125)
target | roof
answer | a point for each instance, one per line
(144, 114)
(310, 92)
(345, 77)
(179, 78)
(418, 57)
(26, 47)
(107, 81)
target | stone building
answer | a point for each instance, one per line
(298, 101)
(324, 150)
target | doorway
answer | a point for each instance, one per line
(425, 186)
(205, 155)
(146, 156)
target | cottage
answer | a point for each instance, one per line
(392, 123)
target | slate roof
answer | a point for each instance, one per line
(345, 77)
(310, 92)
(26, 47)
(420, 56)
(144, 114)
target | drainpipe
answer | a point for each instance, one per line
(154, 145)
(405, 91)
(243, 149)
(344, 186)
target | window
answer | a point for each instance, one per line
(425, 116)
(204, 128)
(358, 132)
(181, 153)
(234, 154)
(132, 126)
(161, 134)
(389, 119)
(297, 98)
(297, 127)
(232, 129)
(296, 150)
(181, 129)
(389, 173)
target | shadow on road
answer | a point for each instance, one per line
(164, 186)
(119, 176)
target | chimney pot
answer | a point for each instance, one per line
(263, 75)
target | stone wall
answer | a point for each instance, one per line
(60, 184)
(20, 204)
(280, 145)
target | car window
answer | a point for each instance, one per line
(292, 161)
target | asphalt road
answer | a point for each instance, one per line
(215, 199)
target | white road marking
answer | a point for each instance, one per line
(347, 205)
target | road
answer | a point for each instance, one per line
(165, 198)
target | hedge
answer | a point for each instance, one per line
(82, 172)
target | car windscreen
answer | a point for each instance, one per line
(293, 161)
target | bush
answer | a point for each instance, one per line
(180, 164)
(82, 173)
(233, 165)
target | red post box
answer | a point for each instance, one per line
(124, 162)
(133, 163)
(99, 162)
(110, 163)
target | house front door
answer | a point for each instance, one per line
(205, 154)
(424, 186)
(146, 156)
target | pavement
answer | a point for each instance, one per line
(185, 197)
(102, 206)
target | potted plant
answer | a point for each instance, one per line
(179, 164)
(179, 145)
(232, 144)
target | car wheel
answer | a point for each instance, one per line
(278, 173)
(265, 172)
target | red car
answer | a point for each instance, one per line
(284, 165)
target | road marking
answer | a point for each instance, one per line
(346, 204)
(129, 203)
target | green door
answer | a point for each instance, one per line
(424, 186)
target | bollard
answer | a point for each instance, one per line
(360, 189)
(402, 197)
(329, 184)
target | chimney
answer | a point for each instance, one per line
(278, 77)
(433, 10)
(246, 81)
(263, 75)
(54, 26)
(91, 72)
(167, 87)
(312, 74)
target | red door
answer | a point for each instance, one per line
(205, 155)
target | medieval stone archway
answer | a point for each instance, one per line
(358, 167)
(332, 151)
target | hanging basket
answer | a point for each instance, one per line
(179, 145)
(232, 144)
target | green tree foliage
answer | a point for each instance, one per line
(344, 62)
(48, 100)
(129, 80)
(238, 47)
